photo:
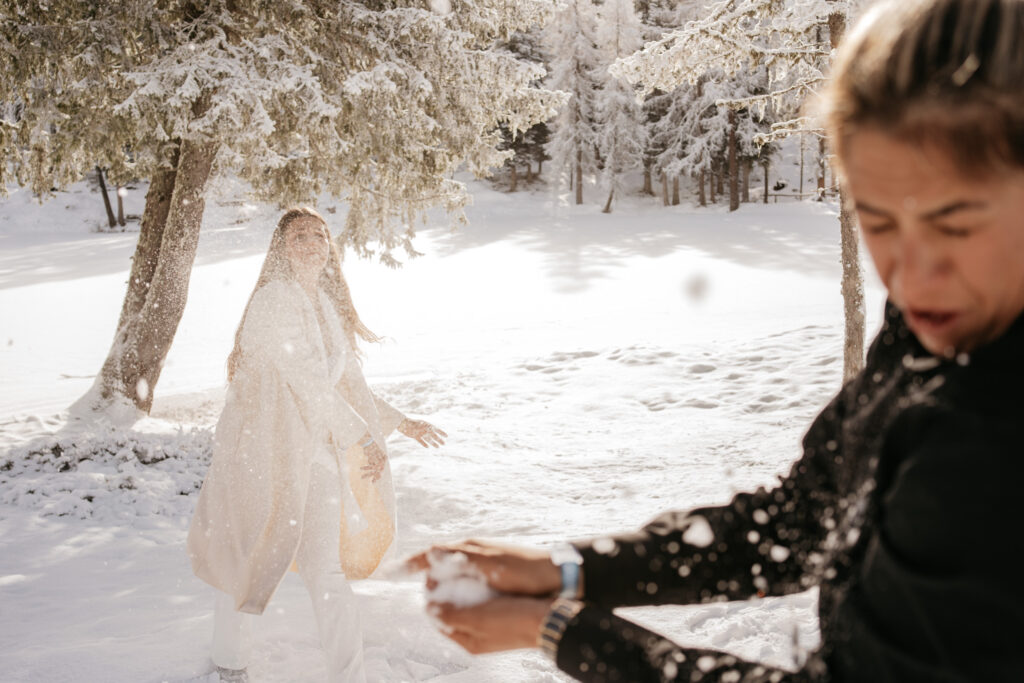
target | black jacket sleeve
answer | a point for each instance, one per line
(761, 543)
(599, 647)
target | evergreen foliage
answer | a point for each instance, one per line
(377, 103)
(622, 136)
(571, 40)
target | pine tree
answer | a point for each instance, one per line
(371, 104)
(527, 147)
(620, 119)
(570, 38)
(657, 17)
(792, 41)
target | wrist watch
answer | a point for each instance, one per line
(569, 561)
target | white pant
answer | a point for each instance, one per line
(334, 603)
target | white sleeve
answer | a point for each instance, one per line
(390, 416)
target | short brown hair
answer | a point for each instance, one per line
(945, 72)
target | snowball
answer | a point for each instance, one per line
(459, 582)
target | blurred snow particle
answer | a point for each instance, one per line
(142, 389)
(706, 663)
(441, 6)
(604, 546)
(699, 532)
(696, 287)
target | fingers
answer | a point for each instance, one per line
(467, 641)
(435, 436)
(430, 438)
(448, 625)
(373, 471)
(422, 561)
(418, 562)
(424, 433)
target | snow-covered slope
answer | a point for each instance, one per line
(591, 370)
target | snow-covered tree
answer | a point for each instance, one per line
(528, 147)
(620, 119)
(657, 17)
(570, 39)
(787, 40)
(375, 103)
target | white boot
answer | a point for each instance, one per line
(232, 639)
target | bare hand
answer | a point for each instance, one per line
(504, 623)
(375, 460)
(424, 432)
(507, 569)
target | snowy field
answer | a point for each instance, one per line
(591, 370)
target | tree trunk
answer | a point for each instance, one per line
(648, 182)
(719, 179)
(158, 284)
(747, 164)
(734, 169)
(822, 163)
(766, 165)
(515, 179)
(801, 191)
(120, 206)
(853, 274)
(579, 177)
(529, 171)
(608, 204)
(664, 189)
(711, 186)
(853, 290)
(701, 195)
(675, 190)
(106, 199)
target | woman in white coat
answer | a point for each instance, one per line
(299, 477)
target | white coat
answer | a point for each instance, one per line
(288, 403)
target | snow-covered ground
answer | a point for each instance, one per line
(591, 370)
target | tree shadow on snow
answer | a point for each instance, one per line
(582, 244)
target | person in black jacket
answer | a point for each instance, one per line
(905, 507)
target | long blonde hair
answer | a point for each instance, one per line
(276, 266)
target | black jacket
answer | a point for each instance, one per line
(906, 509)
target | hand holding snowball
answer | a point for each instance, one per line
(488, 597)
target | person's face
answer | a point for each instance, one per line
(949, 246)
(307, 244)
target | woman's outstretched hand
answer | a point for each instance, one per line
(424, 432)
